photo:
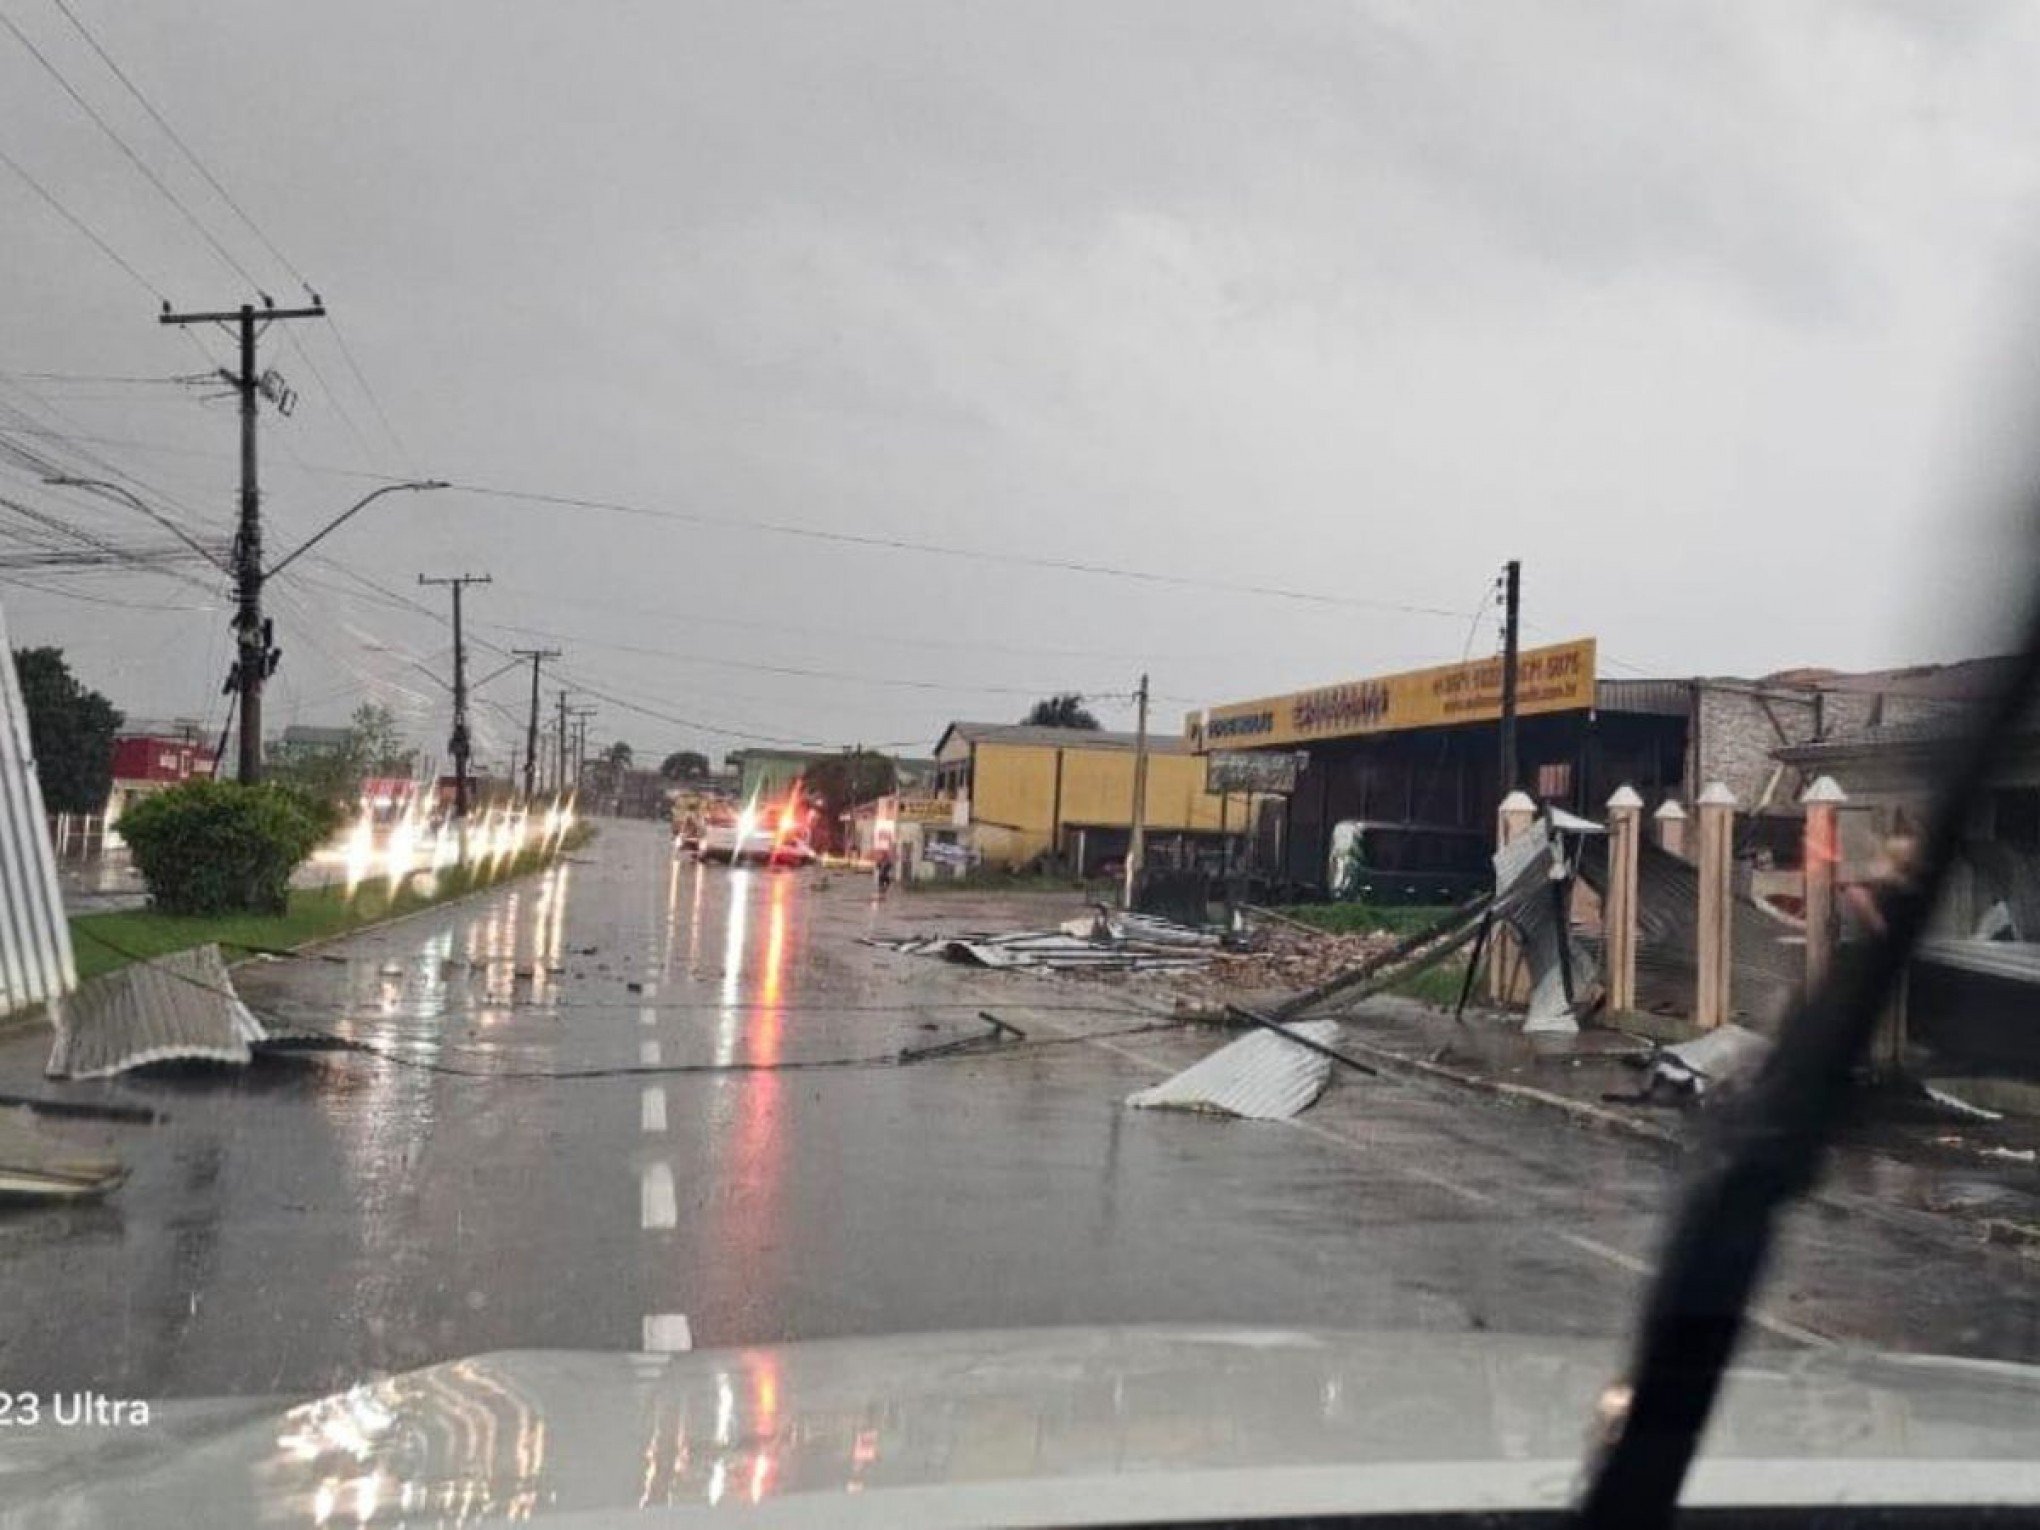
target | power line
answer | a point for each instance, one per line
(756, 667)
(81, 225)
(942, 550)
(132, 158)
(354, 430)
(184, 148)
(361, 378)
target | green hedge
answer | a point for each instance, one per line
(218, 847)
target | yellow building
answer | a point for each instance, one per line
(1027, 791)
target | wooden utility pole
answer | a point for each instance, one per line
(255, 655)
(537, 656)
(581, 716)
(1512, 599)
(1136, 844)
(560, 780)
(459, 744)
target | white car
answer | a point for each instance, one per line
(748, 842)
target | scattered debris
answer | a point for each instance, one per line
(635, 987)
(1000, 1032)
(1262, 1077)
(1941, 1095)
(1139, 943)
(81, 1110)
(1724, 1058)
(180, 1007)
(34, 1166)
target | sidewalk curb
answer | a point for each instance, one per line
(1996, 1232)
(38, 1015)
(1594, 1117)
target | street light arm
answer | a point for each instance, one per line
(177, 531)
(345, 515)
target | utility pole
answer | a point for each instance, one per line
(537, 656)
(255, 655)
(581, 715)
(560, 781)
(1512, 600)
(458, 744)
(1136, 845)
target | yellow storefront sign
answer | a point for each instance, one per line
(924, 810)
(1558, 678)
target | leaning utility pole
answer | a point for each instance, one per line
(1136, 845)
(1512, 599)
(537, 656)
(458, 744)
(255, 655)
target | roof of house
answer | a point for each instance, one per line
(1057, 738)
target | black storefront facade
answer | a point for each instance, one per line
(1449, 778)
(1416, 756)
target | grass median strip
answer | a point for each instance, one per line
(106, 942)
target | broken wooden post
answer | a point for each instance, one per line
(1670, 819)
(1508, 981)
(1711, 1001)
(1618, 909)
(1821, 856)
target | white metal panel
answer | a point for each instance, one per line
(35, 942)
(1262, 1077)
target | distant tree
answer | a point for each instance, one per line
(70, 732)
(1062, 711)
(376, 742)
(684, 765)
(840, 782)
(617, 756)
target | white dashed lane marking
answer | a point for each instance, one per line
(652, 1110)
(648, 1054)
(656, 1206)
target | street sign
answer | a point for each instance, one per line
(1251, 770)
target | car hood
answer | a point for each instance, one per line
(1031, 1427)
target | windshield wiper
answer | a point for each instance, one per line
(1767, 1150)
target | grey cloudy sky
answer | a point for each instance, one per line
(1706, 312)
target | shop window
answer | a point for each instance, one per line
(1554, 782)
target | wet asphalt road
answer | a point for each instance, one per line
(299, 1225)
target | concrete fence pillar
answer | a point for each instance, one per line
(1618, 909)
(1670, 820)
(1717, 870)
(1508, 976)
(1821, 857)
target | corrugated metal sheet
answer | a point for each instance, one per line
(1654, 698)
(1260, 1077)
(177, 1008)
(35, 942)
(2017, 961)
(37, 1166)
